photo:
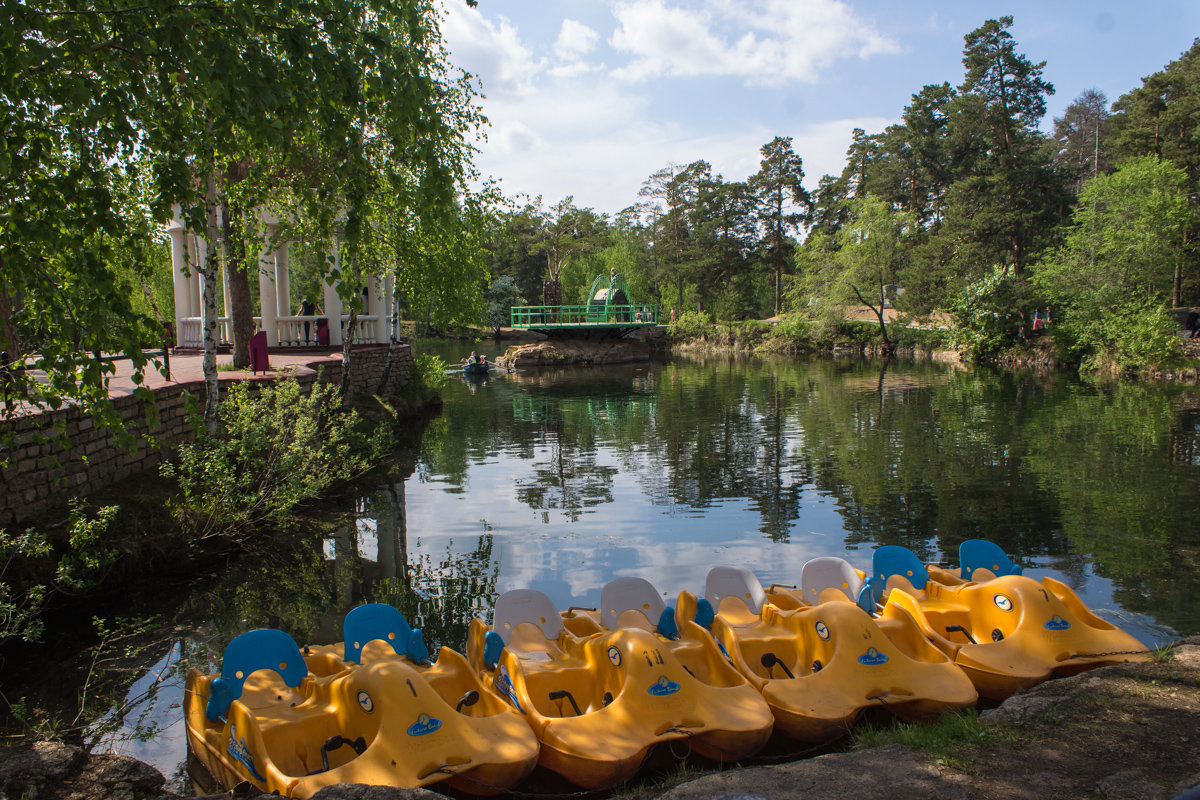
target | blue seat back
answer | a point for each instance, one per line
(372, 621)
(891, 559)
(976, 553)
(264, 648)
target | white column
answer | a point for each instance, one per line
(333, 305)
(268, 300)
(199, 251)
(225, 294)
(389, 307)
(333, 311)
(179, 275)
(283, 282)
(378, 308)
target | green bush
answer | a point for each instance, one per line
(427, 375)
(1138, 332)
(987, 315)
(691, 325)
(277, 447)
(795, 329)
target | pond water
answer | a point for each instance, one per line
(563, 480)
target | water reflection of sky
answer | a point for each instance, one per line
(629, 524)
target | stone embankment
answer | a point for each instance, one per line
(574, 352)
(1122, 732)
(59, 454)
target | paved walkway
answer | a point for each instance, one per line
(188, 368)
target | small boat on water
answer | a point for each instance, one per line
(598, 702)
(370, 710)
(820, 666)
(476, 368)
(1003, 629)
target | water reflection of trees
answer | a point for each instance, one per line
(917, 455)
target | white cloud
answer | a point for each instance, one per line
(575, 40)
(762, 41)
(491, 49)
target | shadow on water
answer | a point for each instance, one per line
(562, 480)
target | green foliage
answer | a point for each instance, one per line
(88, 550)
(502, 296)
(987, 315)
(691, 325)
(20, 602)
(276, 448)
(427, 373)
(1111, 281)
(1137, 332)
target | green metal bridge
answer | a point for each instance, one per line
(609, 313)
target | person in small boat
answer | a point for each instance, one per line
(483, 359)
(471, 359)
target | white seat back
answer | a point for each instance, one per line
(624, 594)
(526, 605)
(829, 572)
(736, 582)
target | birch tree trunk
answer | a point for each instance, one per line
(208, 312)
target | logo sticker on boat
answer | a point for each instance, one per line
(365, 702)
(873, 658)
(614, 655)
(503, 685)
(663, 687)
(822, 630)
(1003, 602)
(424, 724)
(1057, 623)
(237, 748)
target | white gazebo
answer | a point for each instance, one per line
(283, 329)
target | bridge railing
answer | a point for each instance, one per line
(540, 316)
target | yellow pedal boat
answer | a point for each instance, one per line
(818, 667)
(1007, 631)
(599, 702)
(367, 711)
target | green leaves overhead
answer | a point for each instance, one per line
(313, 105)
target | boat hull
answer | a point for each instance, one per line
(278, 738)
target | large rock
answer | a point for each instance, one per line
(56, 771)
(893, 772)
(575, 352)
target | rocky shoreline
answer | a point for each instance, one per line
(1122, 732)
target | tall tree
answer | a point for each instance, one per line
(1119, 256)
(1081, 134)
(783, 205)
(1008, 197)
(1162, 118)
(668, 199)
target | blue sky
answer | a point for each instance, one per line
(589, 97)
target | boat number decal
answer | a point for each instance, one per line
(424, 724)
(663, 687)
(504, 686)
(1002, 602)
(614, 655)
(365, 702)
(873, 658)
(237, 748)
(822, 630)
(657, 659)
(1057, 623)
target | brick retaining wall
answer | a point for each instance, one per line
(45, 472)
